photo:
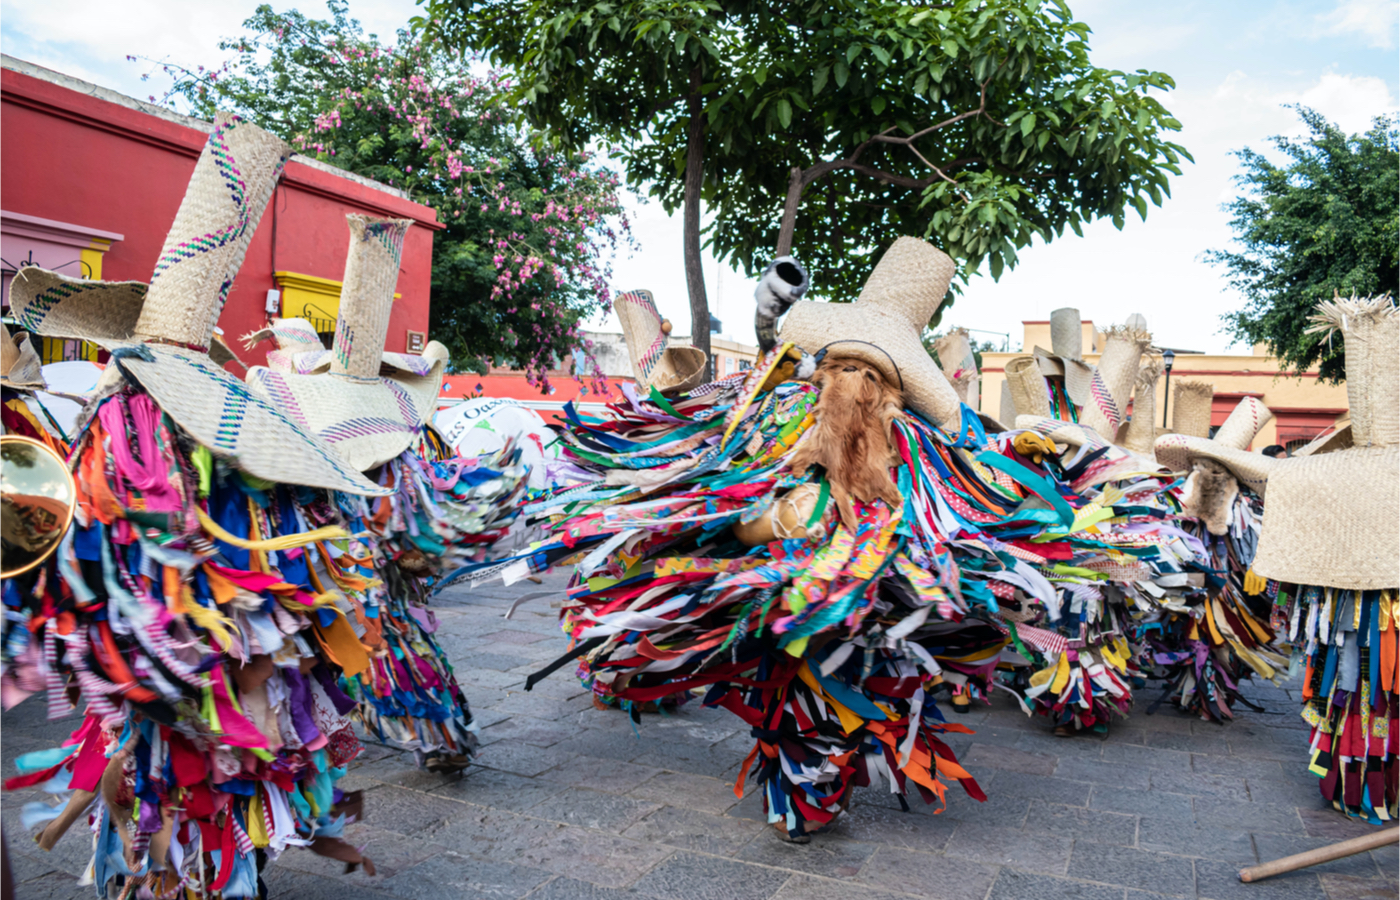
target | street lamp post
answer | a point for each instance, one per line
(1168, 358)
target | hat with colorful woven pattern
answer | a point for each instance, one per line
(655, 363)
(174, 316)
(368, 404)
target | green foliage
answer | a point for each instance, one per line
(528, 231)
(980, 124)
(1327, 221)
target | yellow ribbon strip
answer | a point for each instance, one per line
(285, 542)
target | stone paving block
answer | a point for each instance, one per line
(485, 717)
(1387, 858)
(877, 825)
(563, 888)
(1149, 758)
(391, 853)
(926, 875)
(689, 829)
(1331, 824)
(1302, 793)
(1029, 851)
(1011, 758)
(609, 743)
(527, 730)
(1221, 881)
(997, 809)
(522, 759)
(1154, 804)
(448, 876)
(511, 636)
(1169, 875)
(1345, 887)
(593, 809)
(519, 703)
(1190, 743)
(1188, 839)
(1095, 825)
(692, 758)
(599, 774)
(489, 678)
(804, 887)
(1165, 720)
(1098, 771)
(290, 883)
(494, 835)
(54, 886)
(1277, 846)
(1257, 816)
(709, 795)
(499, 790)
(501, 662)
(690, 876)
(1066, 791)
(1200, 785)
(1042, 740)
(561, 689)
(603, 859)
(1013, 885)
(1243, 767)
(408, 812)
(1131, 732)
(827, 855)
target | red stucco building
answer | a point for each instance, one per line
(90, 181)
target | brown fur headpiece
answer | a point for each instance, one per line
(851, 439)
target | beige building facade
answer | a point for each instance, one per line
(1303, 407)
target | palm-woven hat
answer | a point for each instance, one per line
(19, 364)
(654, 362)
(367, 404)
(299, 348)
(1333, 519)
(1065, 359)
(884, 325)
(1141, 431)
(1191, 407)
(1228, 448)
(160, 334)
(1112, 384)
(955, 355)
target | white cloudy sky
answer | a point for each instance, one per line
(1236, 64)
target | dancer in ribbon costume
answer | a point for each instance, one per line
(1205, 643)
(191, 621)
(372, 406)
(822, 557)
(1331, 526)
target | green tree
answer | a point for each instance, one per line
(529, 230)
(1325, 221)
(830, 127)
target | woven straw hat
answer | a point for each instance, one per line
(654, 362)
(227, 194)
(1328, 442)
(367, 404)
(1066, 357)
(1030, 393)
(1333, 519)
(884, 325)
(1191, 408)
(1113, 380)
(1178, 451)
(299, 348)
(1140, 432)
(19, 364)
(959, 365)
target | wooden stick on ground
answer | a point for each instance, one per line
(1320, 855)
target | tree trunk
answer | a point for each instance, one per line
(694, 273)
(794, 197)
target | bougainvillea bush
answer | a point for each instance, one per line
(530, 231)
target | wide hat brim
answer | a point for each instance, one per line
(1076, 435)
(25, 373)
(221, 413)
(1178, 451)
(367, 421)
(1077, 374)
(1333, 519)
(59, 306)
(1327, 443)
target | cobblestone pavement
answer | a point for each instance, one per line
(568, 803)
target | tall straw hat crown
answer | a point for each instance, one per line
(367, 404)
(1191, 407)
(1228, 448)
(1333, 519)
(19, 364)
(1113, 379)
(1142, 427)
(884, 325)
(655, 363)
(176, 314)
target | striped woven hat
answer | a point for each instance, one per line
(1229, 447)
(173, 317)
(299, 348)
(654, 362)
(367, 404)
(1333, 519)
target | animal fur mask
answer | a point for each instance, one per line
(851, 439)
(1210, 495)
